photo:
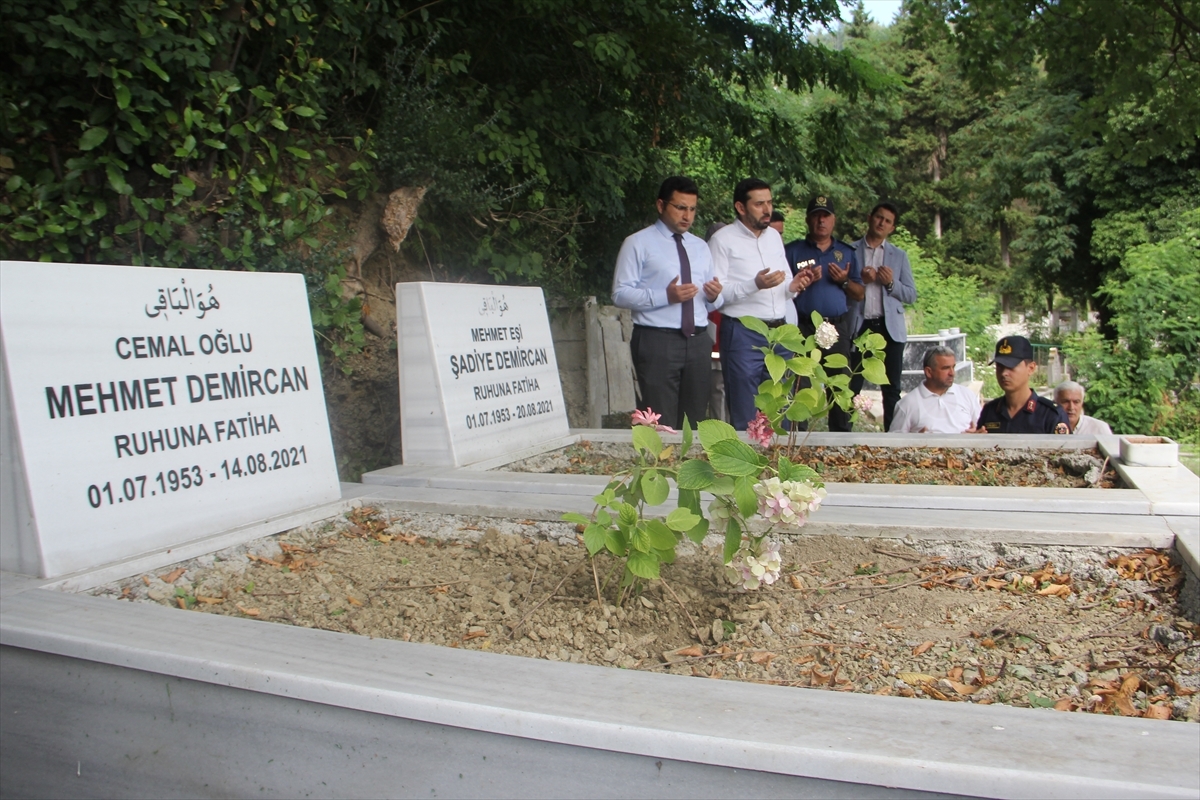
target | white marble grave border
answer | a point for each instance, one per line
(65, 647)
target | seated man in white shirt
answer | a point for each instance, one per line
(1069, 397)
(938, 405)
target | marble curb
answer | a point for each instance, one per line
(960, 748)
(873, 495)
(1017, 527)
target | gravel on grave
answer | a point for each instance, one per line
(1079, 629)
(943, 466)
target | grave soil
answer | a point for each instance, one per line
(1076, 629)
(945, 466)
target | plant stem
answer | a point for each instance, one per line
(695, 628)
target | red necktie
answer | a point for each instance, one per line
(688, 321)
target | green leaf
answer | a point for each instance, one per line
(682, 519)
(304, 111)
(776, 365)
(121, 93)
(280, 124)
(733, 540)
(616, 542)
(874, 371)
(299, 153)
(689, 499)
(627, 515)
(655, 487)
(661, 536)
(743, 493)
(695, 474)
(723, 485)
(755, 324)
(639, 538)
(713, 431)
(643, 565)
(162, 169)
(646, 439)
(836, 361)
(92, 138)
(687, 437)
(817, 319)
(574, 516)
(156, 69)
(698, 533)
(595, 538)
(785, 469)
(733, 457)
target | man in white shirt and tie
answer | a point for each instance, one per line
(751, 266)
(938, 405)
(664, 275)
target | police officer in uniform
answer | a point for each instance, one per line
(1020, 410)
(836, 284)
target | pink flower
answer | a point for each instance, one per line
(863, 403)
(650, 420)
(760, 430)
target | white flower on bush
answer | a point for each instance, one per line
(748, 571)
(863, 403)
(827, 335)
(788, 502)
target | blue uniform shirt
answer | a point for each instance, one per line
(1038, 415)
(825, 296)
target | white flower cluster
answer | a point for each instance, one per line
(748, 571)
(718, 515)
(827, 335)
(863, 403)
(789, 502)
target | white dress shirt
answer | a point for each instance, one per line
(1090, 426)
(873, 298)
(953, 412)
(646, 265)
(738, 256)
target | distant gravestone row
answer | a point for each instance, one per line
(144, 408)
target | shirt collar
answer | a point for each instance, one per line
(662, 228)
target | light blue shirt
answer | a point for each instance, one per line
(646, 265)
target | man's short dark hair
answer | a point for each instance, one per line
(887, 205)
(777, 216)
(677, 183)
(741, 192)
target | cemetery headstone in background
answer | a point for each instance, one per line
(145, 408)
(478, 374)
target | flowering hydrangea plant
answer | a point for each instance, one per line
(749, 571)
(863, 403)
(759, 430)
(650, 420)
(826, 335)
(756, 492)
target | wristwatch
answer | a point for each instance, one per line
(888, 286)
(844, 284)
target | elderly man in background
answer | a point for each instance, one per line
(750, 265)
(888, 285)
(1069, 396)
(938, 405)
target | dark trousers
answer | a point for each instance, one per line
(674, 373)
(839, 420)
(893, 364)
(743, 368)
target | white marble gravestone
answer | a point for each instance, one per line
(478, 375)
(145, 408)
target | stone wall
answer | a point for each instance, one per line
(570, 348)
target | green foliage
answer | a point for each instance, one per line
(948, 301)
(174, 134)
(337, 320)
(543, 127)
(1147, 380)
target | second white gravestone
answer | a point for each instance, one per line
(478, 375)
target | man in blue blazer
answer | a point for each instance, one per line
(888, 280)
